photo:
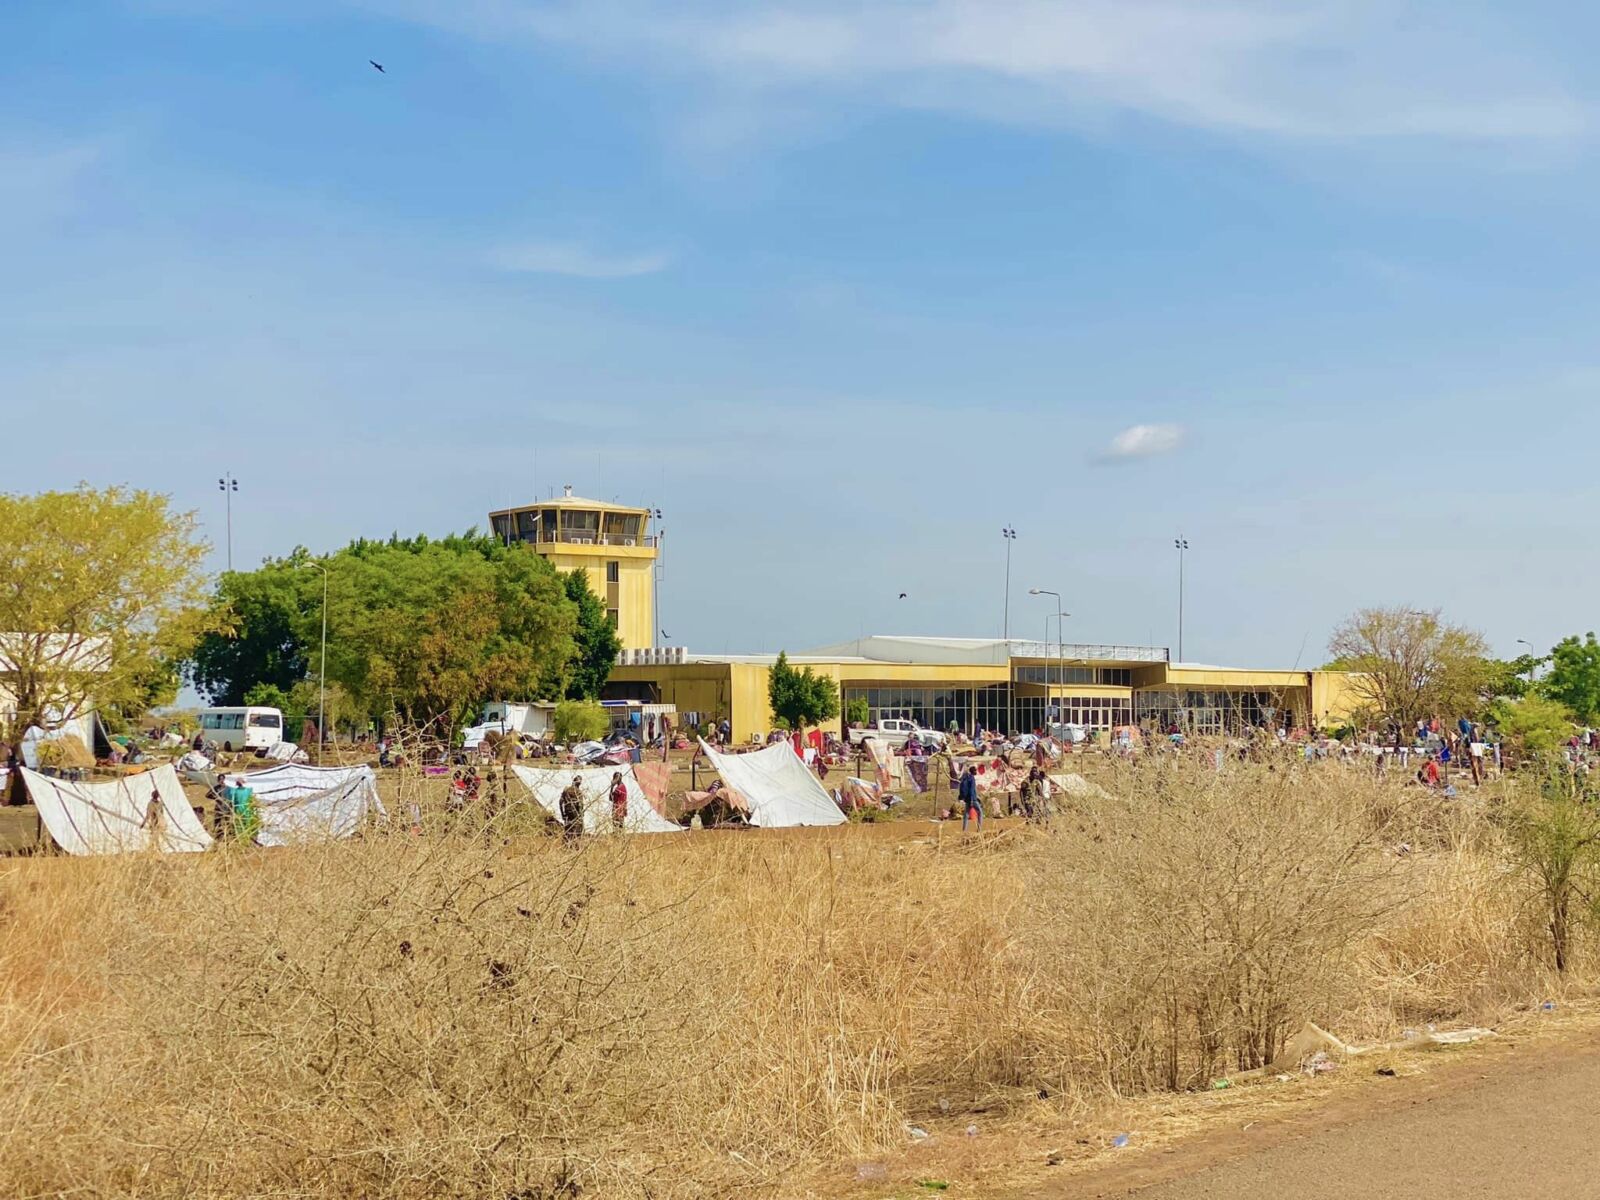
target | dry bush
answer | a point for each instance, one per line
(479, 1011)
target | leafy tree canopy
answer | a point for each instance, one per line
(801, 697)
(1410, 664)
(101, 596)
(427, 629)
(1574, 677)
(596, 640)
(1537, 724)
(580, 721)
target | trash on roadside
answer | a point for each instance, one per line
(1120, 1140)
(1387, 1072)
(872, 1173)
(1548, 1006)
(944, 1105)
(972, 1131)
(1320, 1064)
(1221, 1085)
(917, 1133)
(934, 1185)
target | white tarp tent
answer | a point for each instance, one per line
(116, 816)
(547, 784)
(779, 789)
(299, 803)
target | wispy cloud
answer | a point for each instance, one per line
(1315, 69)
(1143, 441)
(570, 258)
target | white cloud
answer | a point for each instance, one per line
(1143, 441)
(1320, 69)
(569, 258)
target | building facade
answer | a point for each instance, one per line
(611, 543)
(995, 684)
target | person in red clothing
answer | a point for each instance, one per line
(619, 800)
(1430, 773)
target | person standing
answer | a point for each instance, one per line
(619, 802)
(571, 806)
(971, 805)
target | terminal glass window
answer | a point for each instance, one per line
(580, 523)
(930, 707)
(623, 528)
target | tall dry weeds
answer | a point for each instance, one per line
(479, 1011)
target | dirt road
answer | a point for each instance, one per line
(1523, 1126)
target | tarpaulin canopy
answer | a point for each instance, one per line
(546, 785)
(137, 812)
(300, 803)
(780, 790)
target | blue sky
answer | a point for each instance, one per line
(843, 286)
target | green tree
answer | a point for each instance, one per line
(1408, 664)
(264, 617)
(431, 629)
(101, 593)
(1537, 724)
(1574, 677)
(422, 628)
(801, 697)
(580, 721)
(268, 695)
(1509, 677)
(858, 711)
(596, 640)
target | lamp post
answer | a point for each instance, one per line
(322, 675)
(1061, 637)
(655, 571)
(1532, 655)
(228, 485)
(1181, 545)
(1010, 536)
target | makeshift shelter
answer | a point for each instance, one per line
(546, 784)
(146, 811)
(780, 790)
(79, 736)
(299, 803)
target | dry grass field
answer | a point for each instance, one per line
(479, 1011)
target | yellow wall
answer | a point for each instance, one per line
(738, 691)
(632, 595)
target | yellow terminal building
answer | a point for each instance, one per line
(611, 543)
(998, 684)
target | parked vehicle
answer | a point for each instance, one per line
(896, 732)
(246, 728)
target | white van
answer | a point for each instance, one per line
(252, 728)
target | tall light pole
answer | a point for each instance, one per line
(655, 573)
(1010, 536)
(1061, 637)
(322, 675)
(1182, 547)
(1532, 655)
(228, 485)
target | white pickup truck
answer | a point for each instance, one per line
(896, 732)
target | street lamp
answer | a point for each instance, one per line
(228, 485)
(1010, 536)
(1533, 663)
(1061, 653)
(1181, 545)
(322, 675)
(655, 571)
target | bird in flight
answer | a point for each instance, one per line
(665, 636)
(377, 66)
(902, 595)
